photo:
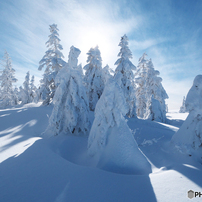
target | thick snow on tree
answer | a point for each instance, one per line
(183, 107)
(124, 75)
(141, 100)
(8, 97)
(53, 62)
(111, 142)
(93, 77)
(107, 73)
(25, 98)
(33, 89)
(44, 91)
(70, 114)
(154, 110)
(189, 136)
(149, 83)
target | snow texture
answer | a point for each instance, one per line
(124, 75)
(111, 142)
(70, 114)
(8, 97)
(189, 136)
(93, 77)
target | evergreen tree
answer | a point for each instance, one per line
(148, 84)
(25, 98)
(124, 75)
(183, 107)
(154, 110)
(53, 62)
(32, 90)
(93, 77)
(110, 141)
(189, 137)
(71, 111)
(8, 97)
(107, 73)
(141, 97)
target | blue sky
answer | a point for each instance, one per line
(169, 31)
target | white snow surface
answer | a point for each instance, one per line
(58, 169)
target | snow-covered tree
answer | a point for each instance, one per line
(183, 108)
(53, 62)
(149, 83)
(71, 111)
(25, 98)
(8, 97)
(124, 75)
(111, 142)
(32, 89)
(93, 77)
(141, 97)
(107, 73)
(189, 137)
(154, 110)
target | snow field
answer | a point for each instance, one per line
(34, 168)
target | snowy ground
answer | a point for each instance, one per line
(58, 169)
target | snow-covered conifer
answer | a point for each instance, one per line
(189, 137)
(111, 142)
(141, 101)
(124, 75)
(8, 97)
(26, 88)
(149, 83)
(32, 89)
(183, 108)
(107, 73)
(93, 77)
(71, 111)
(53, 62)
(154, 110)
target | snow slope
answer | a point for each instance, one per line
(58, 169)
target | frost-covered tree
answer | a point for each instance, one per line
(149, 83)
(183, 108)
(111, 142)
(93, 77)
(53, 61)
(8, 97)
(70, 114)
(32, 90)
(107, 73)
(154, 110)
(25, 98)
(189, 137)
(141, 97)
(124, 75)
